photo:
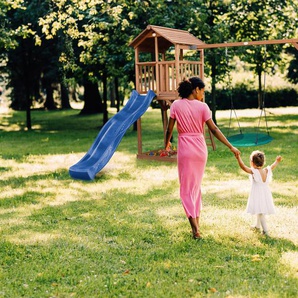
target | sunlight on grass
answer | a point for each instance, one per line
(5, 126)
(170, 214)
(284, 223)
(128, 228)
(226, 187)
(286, 188)
(33, 238)
(33, 164)
(11, 221)
(139, 182)
(290, 259)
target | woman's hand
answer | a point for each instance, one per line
(168, 146)
(235, 151)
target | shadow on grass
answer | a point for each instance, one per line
(121, 239)
(28, 197)
(17, 182)
(280, 244)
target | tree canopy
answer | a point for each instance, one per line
(66, 42)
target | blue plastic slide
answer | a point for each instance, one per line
(110, 136)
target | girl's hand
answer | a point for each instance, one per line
(278, 158)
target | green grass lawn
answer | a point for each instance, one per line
(125, 234)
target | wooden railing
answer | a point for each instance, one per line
(167, 80)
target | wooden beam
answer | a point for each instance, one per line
(156, 65)
(248, 43)
(295, 44)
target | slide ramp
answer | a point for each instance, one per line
(110, 136)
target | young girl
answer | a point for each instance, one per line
(260, 201)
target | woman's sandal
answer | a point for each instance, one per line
(197, 236)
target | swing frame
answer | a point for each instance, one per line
(293, 42)
(232, 108)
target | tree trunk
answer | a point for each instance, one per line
(213, 92)
(28, 111)
(93, 103)
(112, 93)
(50, 104)
(117, 95)
(105, 98)
(64, 97)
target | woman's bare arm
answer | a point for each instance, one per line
(220, 136)
(169, 133)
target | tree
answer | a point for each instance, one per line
(292, 74)
(262, 20)
(88, 27)
(98, 33)
(31, 63)
(210, 24)
(7, 36)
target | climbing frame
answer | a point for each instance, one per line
(163, 58)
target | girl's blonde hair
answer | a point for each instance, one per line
(258, 158)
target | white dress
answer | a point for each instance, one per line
(260, 200)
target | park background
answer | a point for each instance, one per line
(68, 65)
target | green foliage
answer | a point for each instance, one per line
(293, 67)
(262, 20)
(57, 41)
(244, 97)
(210, 24)
(31, 65)
(7, 36)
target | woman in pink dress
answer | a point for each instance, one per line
(191, 114)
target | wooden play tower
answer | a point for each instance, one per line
(163, 58)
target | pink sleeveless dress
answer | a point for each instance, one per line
(192, 152)
(260, 200)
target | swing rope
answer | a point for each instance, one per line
(248, 139)
(263, 110)
(229, 87)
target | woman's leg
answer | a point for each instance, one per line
(194, 223)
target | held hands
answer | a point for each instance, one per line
(235, 151)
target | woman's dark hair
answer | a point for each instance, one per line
(197, 82)
(186, 86)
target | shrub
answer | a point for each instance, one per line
(244, 98)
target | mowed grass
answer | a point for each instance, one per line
(125, 234)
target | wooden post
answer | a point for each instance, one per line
(202, 74)
(157, 66)
(177, 64)
(137, 78)
(139, 133)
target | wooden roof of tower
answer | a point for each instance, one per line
(168, 37)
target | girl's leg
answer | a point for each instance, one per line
(257, 226)
(258, 223)
(264, 223)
